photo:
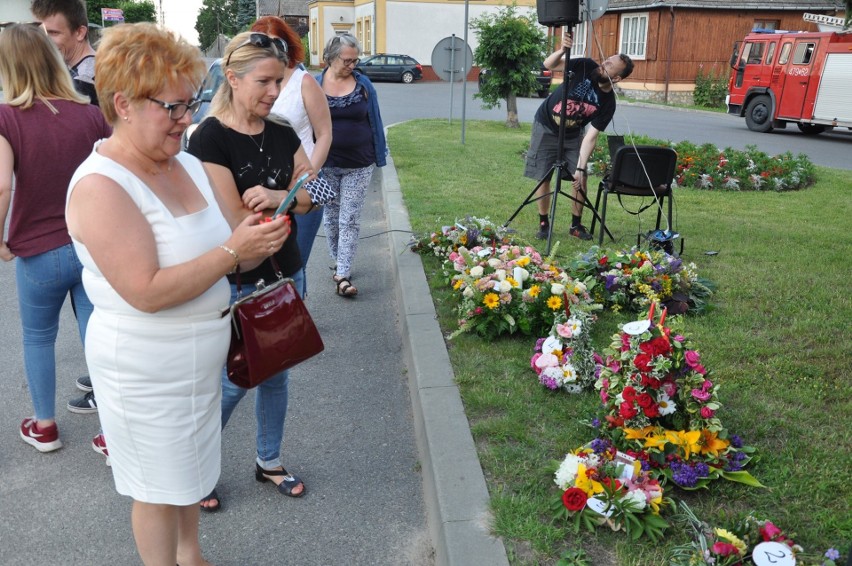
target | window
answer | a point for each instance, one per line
(766, 24)
(634, 35)
(359, 31)
(314, 39)
(785, 54)
(804, 52)
(578, 47)
(755, 54)
(769, 53)
(367, 44)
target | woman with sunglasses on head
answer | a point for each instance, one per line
(252, 160)
(46, 131)
(302, 102)
(155, 247)
(358, 145)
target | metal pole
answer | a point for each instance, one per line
(464, 68)
(452, 73)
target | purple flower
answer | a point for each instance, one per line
(832, 554)
(736, 441)
(548, 382)
(599, 445)
(675, 266)
(596, 422)
(611, 282)
(683, 474)
(538, 344)
(645, 465)
(702, 469)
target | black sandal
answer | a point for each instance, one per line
(213, 496)
(345, 288)
(286, 487)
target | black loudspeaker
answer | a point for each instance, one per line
(558, 12)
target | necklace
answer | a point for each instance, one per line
(262, 139)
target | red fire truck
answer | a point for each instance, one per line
(782, 77)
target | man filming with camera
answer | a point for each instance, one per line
(590, 102)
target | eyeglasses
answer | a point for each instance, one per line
(177, 110)
(347, 62)
(264, 42)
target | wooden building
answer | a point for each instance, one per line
(671, 41)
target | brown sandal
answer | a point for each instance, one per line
(345, 288)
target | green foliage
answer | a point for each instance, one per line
(246, 13)
(134, 10)
(215, 17)
(510, 46)
(710, 89)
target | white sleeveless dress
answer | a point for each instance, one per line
(291, 106)
(157, 376)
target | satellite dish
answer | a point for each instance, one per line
(591, 10)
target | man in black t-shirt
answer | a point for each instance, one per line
(591, 102)
(66, 23)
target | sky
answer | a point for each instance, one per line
(180, 16)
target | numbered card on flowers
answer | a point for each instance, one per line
(599, 507)
(773, 554)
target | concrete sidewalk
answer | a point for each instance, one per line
(375, 428)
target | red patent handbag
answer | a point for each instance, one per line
(272, 331)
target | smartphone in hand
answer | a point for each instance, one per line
(285, 204)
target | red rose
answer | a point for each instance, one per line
(603, 260)
(574, 499)
(614, 422)
(724, 549)
(629, 394)
(652, 412)
(643, 362)
(611, 483)
(770, 532)
(627, 411)
(644, 400)
(707, 412)
(651, 382)
(656, 346)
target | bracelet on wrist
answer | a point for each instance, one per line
(583, 169)
(235, 255)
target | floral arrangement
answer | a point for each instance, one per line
(511, 289)
(661, 406)
(601, 485)
(708, 167)
(469, 232)
(737, 544)
(565, 358)
(634, 279)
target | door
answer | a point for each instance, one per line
(798, 77)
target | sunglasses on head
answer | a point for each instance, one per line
(264, 42)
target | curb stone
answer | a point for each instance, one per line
(454, 490)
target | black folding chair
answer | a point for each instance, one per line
(640, 171)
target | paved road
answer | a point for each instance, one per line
(432, 100)
(350, 436)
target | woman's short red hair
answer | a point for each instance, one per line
(273, 25)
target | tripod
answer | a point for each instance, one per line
(559, 165)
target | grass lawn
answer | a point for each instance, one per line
(775, 342)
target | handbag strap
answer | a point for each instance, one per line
(274, 266)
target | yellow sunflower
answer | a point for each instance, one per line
(535, 290)
(554, 303)
(491, 300)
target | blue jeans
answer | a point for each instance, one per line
(270, 403)
(44, 280)
(306, 232)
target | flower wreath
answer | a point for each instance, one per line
(601, 485)
(468, 232)
(660, 405)
(565, 358)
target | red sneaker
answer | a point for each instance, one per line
(42, 439)
(99, 446)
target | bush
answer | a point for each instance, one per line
(710, 90)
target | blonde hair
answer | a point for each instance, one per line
(139, 60)
(240, 57)
(31, 68)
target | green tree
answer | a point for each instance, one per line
(511, 46)
(215, 17)
(134, 10)
(246, 14)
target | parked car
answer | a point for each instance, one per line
(543, 76)
(389, 67)
(208, 88)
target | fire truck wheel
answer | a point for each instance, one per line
(758, 114)
(811, 129)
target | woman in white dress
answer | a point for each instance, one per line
(302, 102)
(155, 248)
